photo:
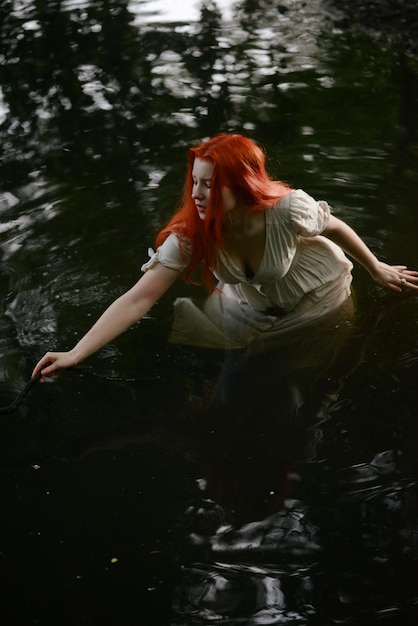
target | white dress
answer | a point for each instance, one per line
(302, 277)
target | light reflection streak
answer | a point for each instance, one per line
(4, 109)
(21, 8)
(166, 11)
(94, 88)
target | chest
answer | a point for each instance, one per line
(263, 258)
(246, 252)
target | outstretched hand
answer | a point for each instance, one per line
(52, 362)
(396, 277)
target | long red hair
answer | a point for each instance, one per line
(239, 164)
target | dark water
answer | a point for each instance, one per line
(167, 485)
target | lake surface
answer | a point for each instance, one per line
(160, 484)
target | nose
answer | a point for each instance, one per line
(197, 191)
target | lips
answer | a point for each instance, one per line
(201, 209)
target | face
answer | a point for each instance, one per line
(202, 175)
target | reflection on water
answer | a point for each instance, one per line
(182, 13)
(189, 485)
(264, 423)
(263, 419)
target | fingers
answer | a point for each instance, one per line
(53, 362)
(407, 279)
(397, 277)
(394, 286)
(45, 366)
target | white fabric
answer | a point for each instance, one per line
(302, 276)
(168, 255)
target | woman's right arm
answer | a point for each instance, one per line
(118, 317)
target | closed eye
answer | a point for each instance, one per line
(206, 182)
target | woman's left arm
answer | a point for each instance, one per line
(395, 277)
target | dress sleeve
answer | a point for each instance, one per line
(169, 255)
(305, 214)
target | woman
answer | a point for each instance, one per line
(271, 257)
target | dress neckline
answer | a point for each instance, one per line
(242, 273)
